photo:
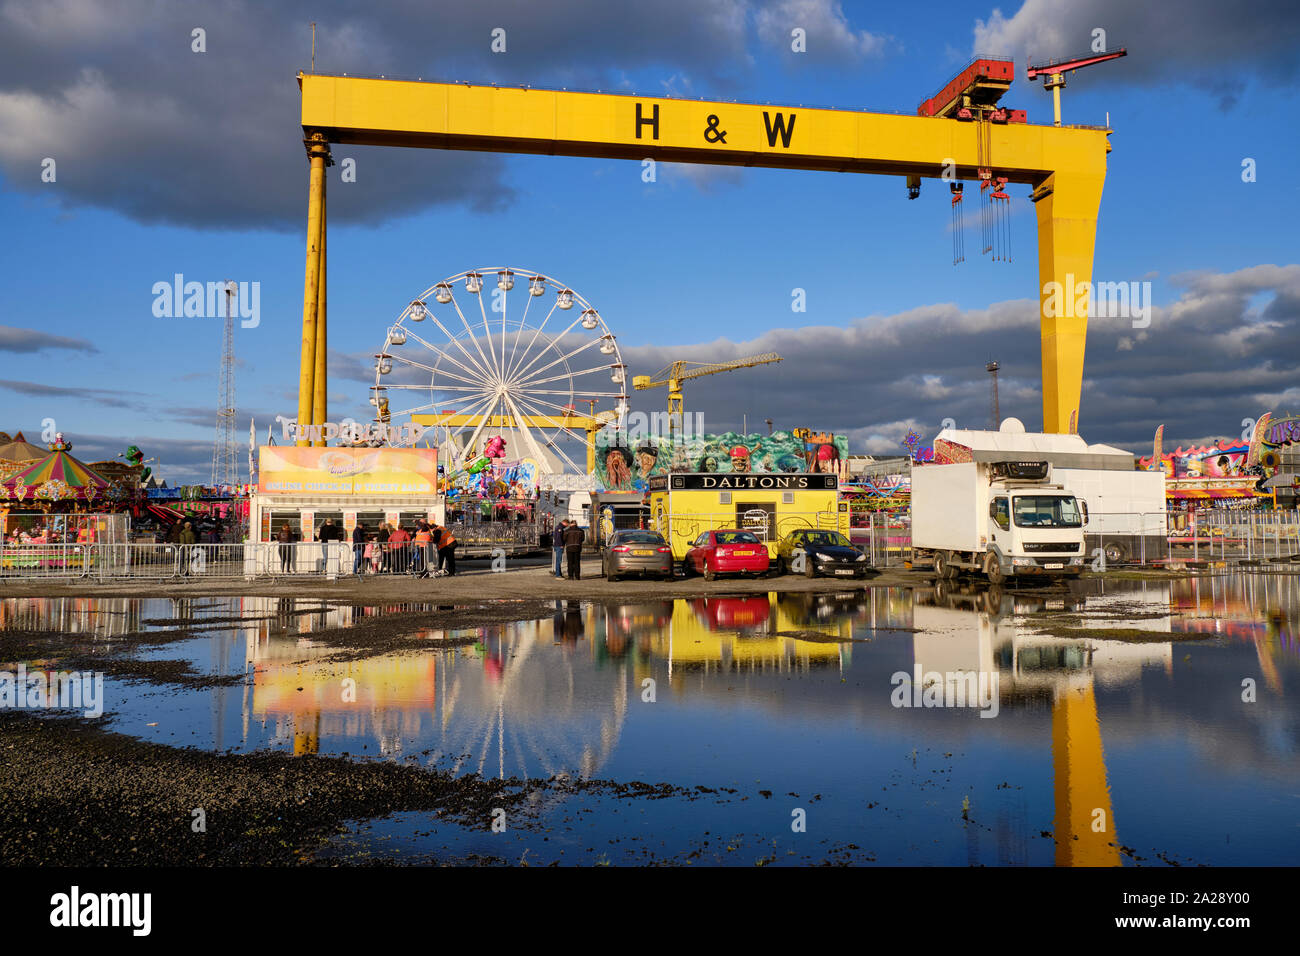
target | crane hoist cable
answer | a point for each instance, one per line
(958, 224)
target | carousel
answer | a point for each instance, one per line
(53, 498)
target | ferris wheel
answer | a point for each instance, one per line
(478, 363)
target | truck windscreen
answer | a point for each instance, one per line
(1046, 511)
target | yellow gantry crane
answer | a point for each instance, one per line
(674, 374)
(1064, 166)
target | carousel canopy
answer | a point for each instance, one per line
(20, 449)
(57, 476)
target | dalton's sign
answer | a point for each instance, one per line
(753, 482)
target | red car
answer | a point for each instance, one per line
(726, 551)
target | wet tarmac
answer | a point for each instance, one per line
(1114, 723)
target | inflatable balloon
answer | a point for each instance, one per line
(496, 447)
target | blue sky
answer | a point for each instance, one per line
(196, 172)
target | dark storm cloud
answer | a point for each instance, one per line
(1228, 348)
(139, 123)
(29, 340)
(1197, 41)
(112, 398)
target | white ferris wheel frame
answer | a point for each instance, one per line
(487, 382)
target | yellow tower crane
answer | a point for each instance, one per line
(674, 374)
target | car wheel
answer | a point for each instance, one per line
(611, 578)
(709, 573)
(809, 567)
(780, 567)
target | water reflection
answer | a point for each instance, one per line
(1108, 718)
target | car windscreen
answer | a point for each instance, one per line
(824, 537)
(735, 537)
(637, 537)
(1046, 511)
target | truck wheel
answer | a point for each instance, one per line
(1116, 552)
(944, 567)
(993, 569)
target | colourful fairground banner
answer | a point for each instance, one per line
(347, 471)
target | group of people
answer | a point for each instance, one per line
(39, 534)
(427, 549)
(567, 539)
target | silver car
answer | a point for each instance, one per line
(637, 552)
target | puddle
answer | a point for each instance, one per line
(793, 728)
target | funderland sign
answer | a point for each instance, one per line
(743, 482)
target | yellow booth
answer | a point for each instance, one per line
(682, 506)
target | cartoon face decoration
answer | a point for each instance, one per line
(647, 455)
(740, 459)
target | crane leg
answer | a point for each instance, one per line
(1066, 204)
(318, 153)
(320, 379)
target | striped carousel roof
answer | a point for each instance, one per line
(57, 476)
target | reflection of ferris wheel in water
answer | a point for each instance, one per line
(482, 365)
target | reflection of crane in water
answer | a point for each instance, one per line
(1061, 669)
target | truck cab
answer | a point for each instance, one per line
(1033, 529)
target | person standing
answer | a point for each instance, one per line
(187, 539)
(328, 532)
(446, 551)
(285, 537)
(358, 548)
(397, 541)
(381, 543)
(573, 541)
(557, 545)
(420, 563)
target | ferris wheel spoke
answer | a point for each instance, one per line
(566, 374)
(487, 331)
(523, 321)
(564, 391)
(521, 423)
(450, 358)
(478, 346)
(479, 368)
(549, 345)
(484, 421)
(433, 370)
(579, 436)
(533, 380)
(532, 341)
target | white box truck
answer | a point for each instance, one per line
(996, 518)
(1126, 512)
